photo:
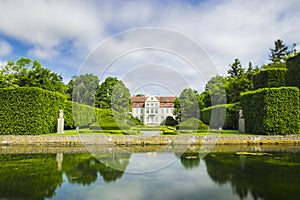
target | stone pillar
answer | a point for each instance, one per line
(241, 122)
(60, 122)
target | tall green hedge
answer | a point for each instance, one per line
(272, 111)
(269, 78)
(78, 115)
(29, 111)
(293, 71)
(231, 118)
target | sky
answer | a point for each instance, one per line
(155, 46)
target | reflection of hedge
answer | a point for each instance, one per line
(268, 78)
(76, 114)
(26, 111)
(231, 118)
(272, 111)
(293, 73)
(192, 124)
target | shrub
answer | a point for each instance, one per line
(271, 111)
(231, 117)
(106, 121)
(192, 124)
(293, 71)
(29, 111)
(269, 78)
(76, 114)
(169, 121)
(169, 130)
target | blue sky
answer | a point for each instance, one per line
(62, 34)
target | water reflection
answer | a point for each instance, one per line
(243, 175)
(267, 176)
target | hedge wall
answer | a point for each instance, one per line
(80, 115)
(293, 71)
(269, 78)
(272, 111)
(29, 111)
(231, 117)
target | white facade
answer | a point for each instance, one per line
(151, 109)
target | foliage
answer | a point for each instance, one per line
(231, 116)
(272, 111)
(30, 73)
(78, 115)
(272, 77)
(215, 92)
(186, 106)
(169, 121)
(293, 71)
(236, 69)
(169, 130)
(192, 124)
(106, 121)
(280, 52)
(82, 88)
(236, 85)
(29, 111)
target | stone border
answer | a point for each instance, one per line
(145, 140)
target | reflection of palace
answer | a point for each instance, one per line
(151, 109)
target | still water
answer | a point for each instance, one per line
(227, 172)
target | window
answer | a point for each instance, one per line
(167, 110)
(151, 104)
(147, 104)
(156, 104)
(147, 110)
(137, 104)
(156, 110)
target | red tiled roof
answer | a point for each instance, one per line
(165, 102)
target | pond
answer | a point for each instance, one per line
(150, 172)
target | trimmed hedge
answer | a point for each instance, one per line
(272, 111)
(231, 118)
(106, 121)
(269, 78)
(169, 121)
(78, 115)
(29, 111)
(293, 73)
(192, 124)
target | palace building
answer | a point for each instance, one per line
(152, 109)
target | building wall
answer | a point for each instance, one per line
(152, 111)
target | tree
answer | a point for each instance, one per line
(113, 94)
(215, 92)
(30, 73)
(236, 68)
(186, 106)
(104, 93)
(279, 53)
(82, 88)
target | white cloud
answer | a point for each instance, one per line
(5, 48)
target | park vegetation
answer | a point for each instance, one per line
(32, 95)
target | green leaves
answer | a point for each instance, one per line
(272, 111)
(271, 77)
(29, 111)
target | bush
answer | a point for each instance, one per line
(269, 78)
(192, 124)
(293, 71)
(29, 111)
(231, 117)
(106, 121)
(271, 111)
(169, 121)
(169, 130)
(76, 114)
